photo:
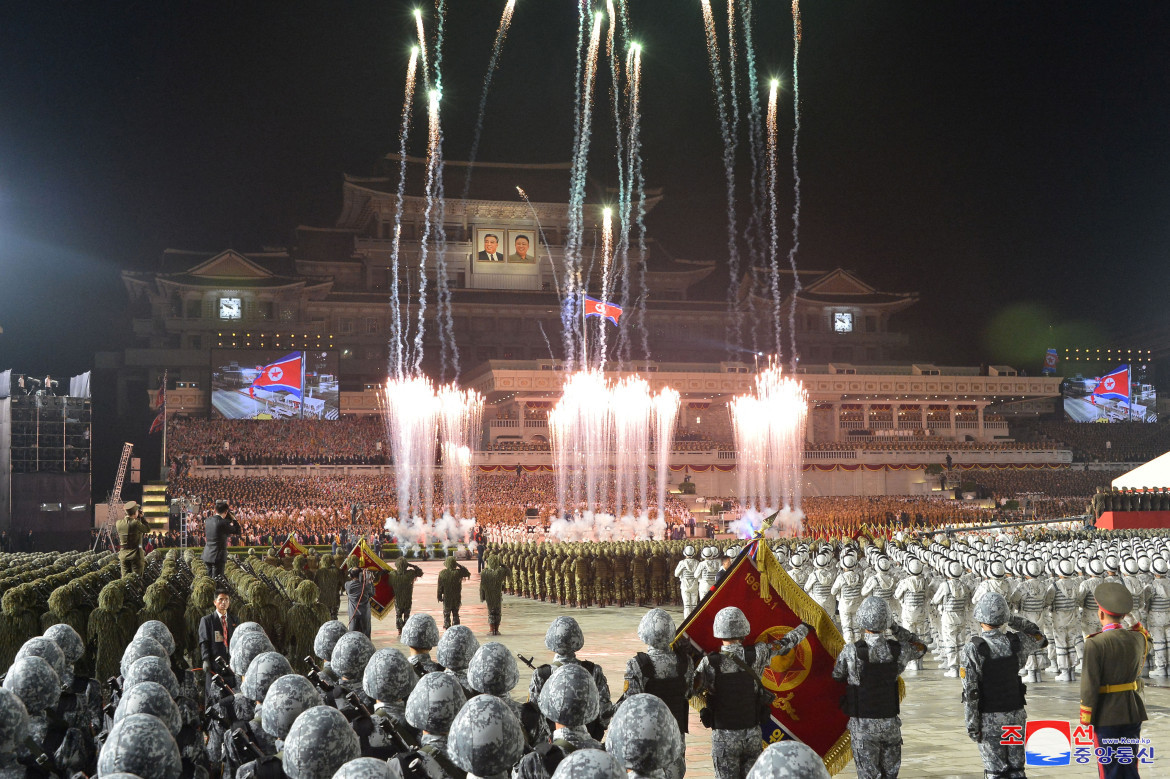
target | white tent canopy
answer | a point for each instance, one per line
(1155, 473)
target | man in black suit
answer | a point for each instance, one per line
(216, 631)
(360, 589)
(217, 528)
(490, 252)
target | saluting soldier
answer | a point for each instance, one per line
(131, 529)
(1111, 677)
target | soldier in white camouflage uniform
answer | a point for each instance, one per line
(847, 589)
(993, 694)
(1032, 599)
(707, 571)
(1066, 619)
(952, 598)
(1158, 616)
(871, 667)
(881, 583)
(688, 584)
(820, 584)
(730, 681)
(1086, 596)
(911, 592)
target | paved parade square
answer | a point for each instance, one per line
(935, 740)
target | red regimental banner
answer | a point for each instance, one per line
(383, 599)
(805, 695)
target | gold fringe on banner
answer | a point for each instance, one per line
(774, 577)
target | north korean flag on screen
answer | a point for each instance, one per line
(595, 307)
(1114, 386)
(283, 375)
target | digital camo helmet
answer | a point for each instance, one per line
(319, 742)
(789, 759)
(288, 697)
(44, 648)
(152, 628)
(389, 676)
(326, 639)
(731, 624)
(68, 640)
(264, 669)
(365, 768)
(569, 697)
(992, 609)
(143, 646)
(644, 735)
(656, 629)
(873, 614)
(564, 636)
(493, 669)
(152, 669)
(35, 683)
(434, 702)
(456, 647)
(141, 744)
(153, 699)
(486, 737)
(420, 632)
(590, 764)
(351, 653)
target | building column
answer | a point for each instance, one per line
(981, 433)
(895, 409)
(951, 412)
(836, 422)
(865, 416)
(922, 408)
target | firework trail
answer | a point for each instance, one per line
(796, 35)
(422, 46)
(755, 231)
(734, 325)
(637, 185)
(621, 251)
(569, 301)
(774, 242)
(398, 343)
(440, 20)
(732, 75)
(543, 240)
(501, 34)
(432, 170)
(573, 241)
(606, 255)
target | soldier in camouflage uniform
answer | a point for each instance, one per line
(603, 578)
(663, 672)
(639, 567)
(993, 693)
(431, 708)
(569, 699)
(552, 564)
(621, 576)
(659, 571)
(491, 587)
(729, 680)
(871, 667)
(582, 576)
(450, 589)
(130, 530)
(402, 580)
(421, 634)
(564, 639)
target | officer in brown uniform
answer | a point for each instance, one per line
(1111, 678)
(130, 530)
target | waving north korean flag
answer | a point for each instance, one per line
(283, 376)
(1114, 386)
(595, 307)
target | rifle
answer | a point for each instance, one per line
(314, 676)
(526, 660)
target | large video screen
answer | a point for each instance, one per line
(1121, 393)
(274, 384)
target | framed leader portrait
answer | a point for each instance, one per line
(522, 247)
(489, 244)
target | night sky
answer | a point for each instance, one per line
(1008, 161)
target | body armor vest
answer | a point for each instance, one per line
(672, 690)
(877, 695)
(733, 691)
(1000, 686)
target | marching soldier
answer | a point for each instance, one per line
(1111, 684)
(659, 572)
(451, 590)
(730, 681)
(491, 592)
(638, 569)
(131, 529)
(402, 579)
(993, 692)
(871, 667)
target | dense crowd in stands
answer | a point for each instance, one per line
(1117, 442)
(246, 442)
(1052, 482)
(928, 445)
